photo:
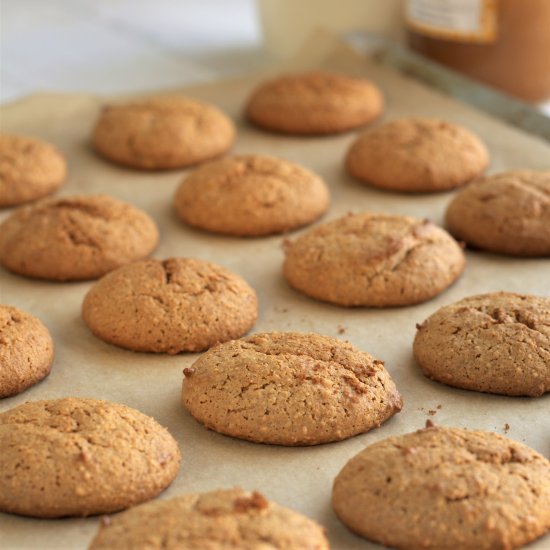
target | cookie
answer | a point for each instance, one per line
(162, 132)
(507, 213)
(170, 306)
(79, 457)
(376, 260)
(251, 196)
(445, 488)
(222, 519)
(417, 155)
(75, 238)
(314, 103)
(496, 343)
(26, 351)
(288, 388)
(29, 169)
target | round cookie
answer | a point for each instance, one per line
(162, 132)
(170, 306)
(79, 457)
(26, 351)
(251, 196)
(417, 155)
(376, 260)
(75, 238)
(289, 389)
(444, 489)
(222, 519)
(29, 169)
(496, 343)
(314, 103)
(507, 213)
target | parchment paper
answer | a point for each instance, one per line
(300, 478)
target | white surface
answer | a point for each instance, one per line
(123, 45)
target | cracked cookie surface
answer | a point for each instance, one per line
(314, 103)
(507, 213)
(170, 306)
(29, 169)
(26, 351)
(289, 389)
(217, 520)
(497, 343)
(75, 238)
(377, 260)
(251, 195)
(162, 132)
(417, 155)
(79, 457)
(445, 488)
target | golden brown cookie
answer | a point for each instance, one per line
(507, 213)
(170, 306)
(417, 155)
(314, 103)
(445, 489)
(251, 195)
(219, 520)
(75, 238)
(26, 351)
(289, 388)
(162, 132)
(377, 260)
(79, 457)
(29, 169)
(496, 343)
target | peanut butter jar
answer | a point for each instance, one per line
(505, 43)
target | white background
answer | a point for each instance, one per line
(123, 45)
(116, 46)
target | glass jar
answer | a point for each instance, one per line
(505, 43)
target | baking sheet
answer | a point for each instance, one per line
(300, 478)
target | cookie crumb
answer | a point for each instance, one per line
(188, 371)
(341, 329)
(432, 412)
(409, 450)
(165, 458)
(105, 521)
(80, 491)
(83, 456)
(506, 428)
(430, 423)
(439, 407)
(286, 243)
(256, 502)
